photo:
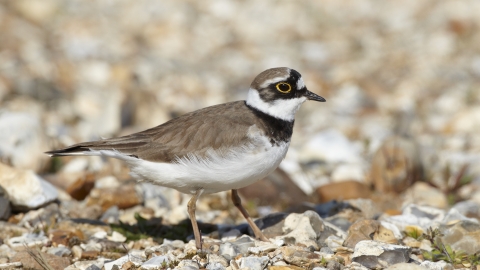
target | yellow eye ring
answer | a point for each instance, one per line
(283, 87)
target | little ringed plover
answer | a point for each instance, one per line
(222, 147)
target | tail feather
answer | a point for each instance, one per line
(93, 148)
(73, 150)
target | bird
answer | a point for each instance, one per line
(218, 148)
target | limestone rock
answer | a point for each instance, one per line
(25, 189)
(372, 254)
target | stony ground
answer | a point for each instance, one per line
(385, 174)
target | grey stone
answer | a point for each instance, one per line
(422, 216)
(6, 251)
(334, 242)
(372, 254)
(174, 243)
(228, 250)
(215, 266)
(243, 243)
(60, 251)
(454, 215)
(263, 248)
(188, 265)
(5, 208)
(468, 208)
(253, 262)
(217, 259)
(111, 216)
(440, 265)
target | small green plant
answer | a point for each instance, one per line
(445, 252)
(169, 265)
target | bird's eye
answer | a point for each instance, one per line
(283, 87)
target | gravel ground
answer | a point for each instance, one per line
(384, 174)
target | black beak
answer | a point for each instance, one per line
(312, 96)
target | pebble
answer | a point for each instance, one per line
(373, 254)
(60, 251)
(216, 266)
(242, 244)
(29, 240)
(154, 262)
(361, 230)
(303, 228)
(415, 215)
(423, 194)
(5, 208)
(88, 265)
(25, 189)
(440, 265)
(253, 262)
(229, 250)
(21, 142)
(406, 266)
(344, 190)
(216, 259)
(189, 265)
(299, 257)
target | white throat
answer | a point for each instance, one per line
(284, 109)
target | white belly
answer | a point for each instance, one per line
(219, 172)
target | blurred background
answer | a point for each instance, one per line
(401, 80)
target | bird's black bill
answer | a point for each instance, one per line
(312, 96)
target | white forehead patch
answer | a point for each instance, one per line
(274, 80)
(300, 84)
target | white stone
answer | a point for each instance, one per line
(29, 240)
(263, 248)
(440, 265)
(88, 265)
(454, 215)
(117, 237)
(334, 242)
(155, 262)
(107, 182)
(396, 232)
(118, 262)
(25, 189)
(331, 146)
(77, 164)
(301, 228)
(253, 262)
(351, 171)
(100, 235)
(406, 266)
(21, 140)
